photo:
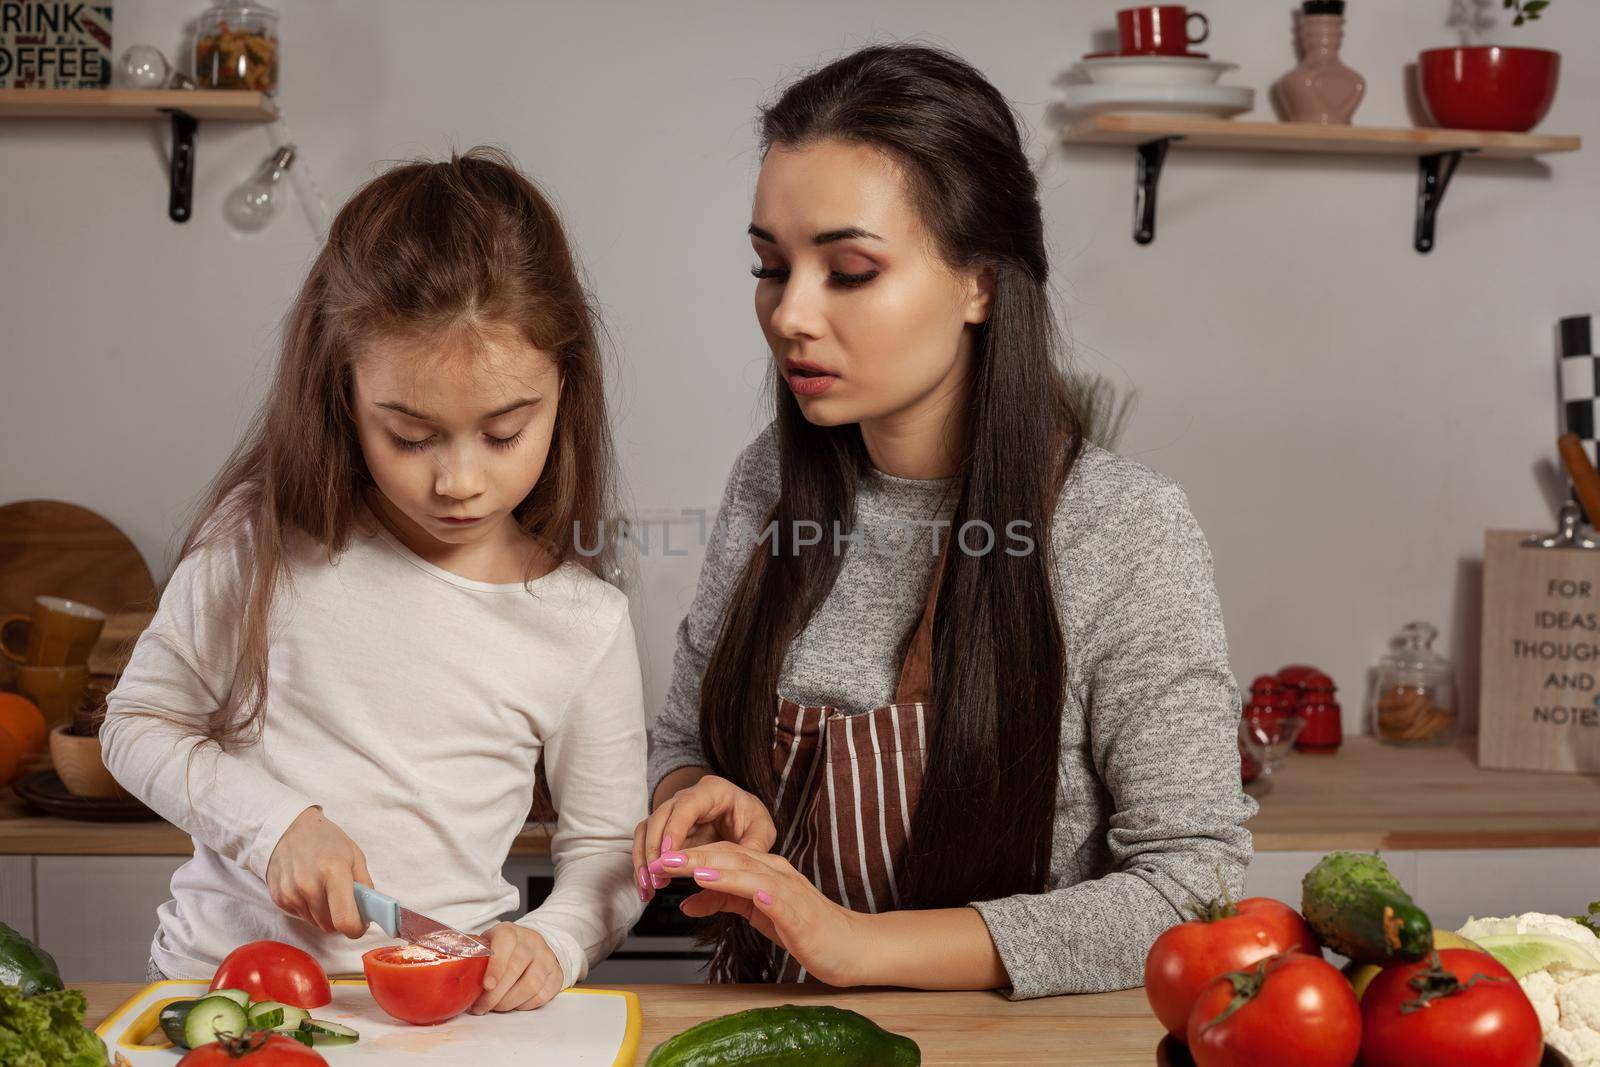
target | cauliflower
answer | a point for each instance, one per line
(1531, 922)
(1578, 997)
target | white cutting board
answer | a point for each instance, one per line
(579, 1028)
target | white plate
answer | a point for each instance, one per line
(1155, 70)
(1216, 101)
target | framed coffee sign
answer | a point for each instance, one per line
(53, 44)
(1539, 706)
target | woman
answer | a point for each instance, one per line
(952, 708)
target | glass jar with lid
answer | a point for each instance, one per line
(236, 47)
(1415, 702)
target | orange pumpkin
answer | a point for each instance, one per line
(20, 717)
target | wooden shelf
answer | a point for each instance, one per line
(183, 108)
(1311, 137)
(221, 104)
(1437, 152)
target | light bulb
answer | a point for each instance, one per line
(142, 66)
(251, 206)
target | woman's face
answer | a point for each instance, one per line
(455, 440)
(866, 321)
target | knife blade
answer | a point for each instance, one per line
(413, 926)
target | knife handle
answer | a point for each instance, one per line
(380, 908)
(1584, 479)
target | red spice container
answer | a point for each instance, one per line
(1323, 730)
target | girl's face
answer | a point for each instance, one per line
(865, 319)
(455, 441)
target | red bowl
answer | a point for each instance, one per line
(1488, 87)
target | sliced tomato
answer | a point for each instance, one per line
(271, 970)
(259, 1049)
(418, 986)
(1223, 937)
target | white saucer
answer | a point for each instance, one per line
(1216, 101)
(1155, 70)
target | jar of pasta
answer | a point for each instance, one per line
(1415, 701)
(236, 47)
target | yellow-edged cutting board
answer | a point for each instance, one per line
(579, 1028)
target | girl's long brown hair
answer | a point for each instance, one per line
(425, 251)
(983, 827)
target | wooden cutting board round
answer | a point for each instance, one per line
(51, 548)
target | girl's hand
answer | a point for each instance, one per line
(523, 973)
(713, 809)
(312, 875)
(833, 943)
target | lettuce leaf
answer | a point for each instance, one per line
(47, 1030)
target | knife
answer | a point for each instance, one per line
(408, 925)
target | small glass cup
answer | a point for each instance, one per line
(1267, 735)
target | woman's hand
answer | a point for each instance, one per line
(833, 943)
(712, 809)
(312, 875)
(523, 972)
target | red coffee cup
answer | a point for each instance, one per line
(1159, 30)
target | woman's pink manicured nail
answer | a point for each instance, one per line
(666, 842)
(764, 897)
(660, 881)
(706, 874)
(673, 860)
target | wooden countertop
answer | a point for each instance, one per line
(1373, 796)
(1365, 796)
(1103, 1029)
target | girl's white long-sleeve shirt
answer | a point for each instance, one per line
(411, 705)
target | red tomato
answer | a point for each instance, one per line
(271, 970)
(1286, 1011)
(1224, 937)
(258, 1049)
(423, 989)
(1468, 1009)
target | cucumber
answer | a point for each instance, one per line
(271, 1015)
(212, 1017)
(784, 1036)
(326, 1034)
(25, 965)
(238, 996)
(1357, 907)
(172, 1019)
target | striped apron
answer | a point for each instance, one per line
(848, 786)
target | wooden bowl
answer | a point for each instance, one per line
(80, 767)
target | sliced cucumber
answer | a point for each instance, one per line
(238, 996)
(299, 1035)
(172, 1017)
(325, 1034)
(271, 1015)
(210, 1018)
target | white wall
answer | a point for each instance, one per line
(1348, 416)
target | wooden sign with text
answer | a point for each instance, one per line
(1539, 705)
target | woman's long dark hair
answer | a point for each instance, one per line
(984, 825)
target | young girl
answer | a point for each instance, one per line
(382, 618)
(1011, 766)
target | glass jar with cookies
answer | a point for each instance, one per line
(1415, 699)
(236, 47)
